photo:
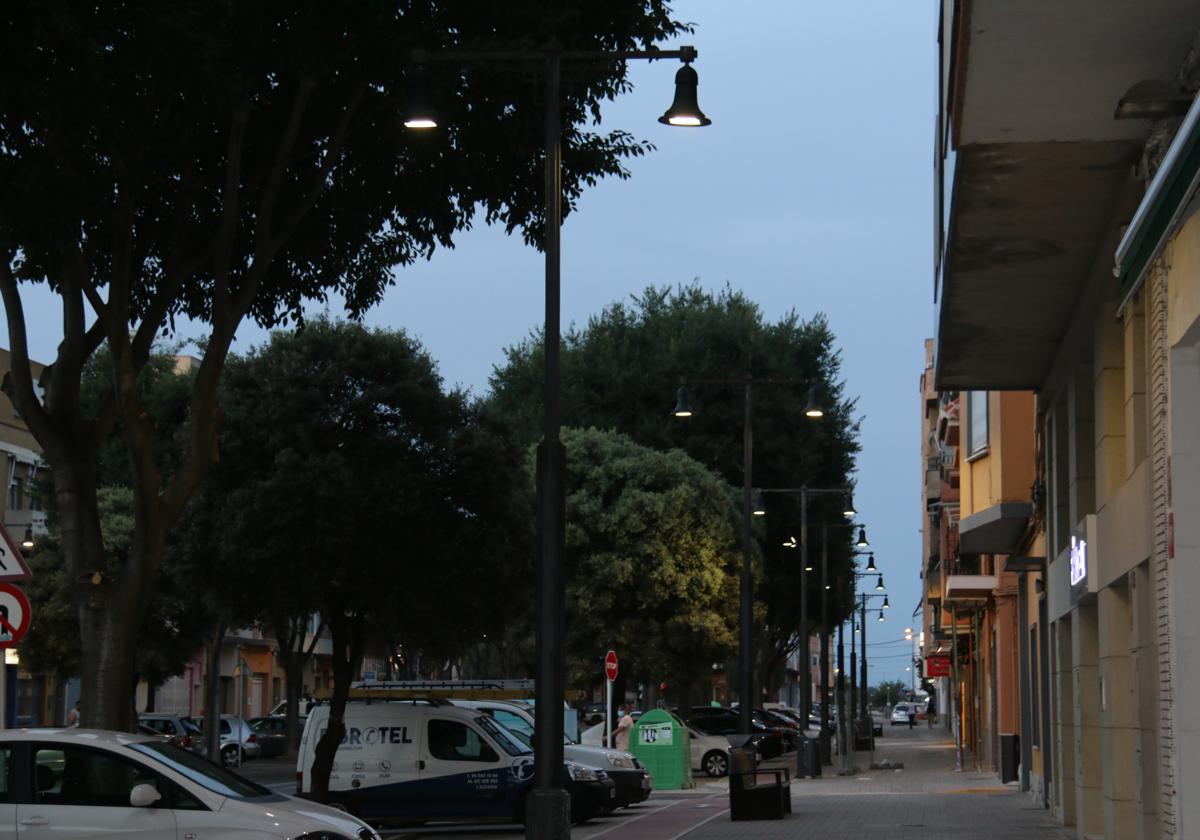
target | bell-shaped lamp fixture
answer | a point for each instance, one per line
(862, 537)
(790, 542)
(881, 615)
(855, 628)
(685, 110)
(757, 505)
(848, 510)
(813, 407)
(28, 541)
(419, 113)
(886, 605)
(683, 408)
(871, 562)
(879, 584)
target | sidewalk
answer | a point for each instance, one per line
(927, 800)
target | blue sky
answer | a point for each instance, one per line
(811, 190)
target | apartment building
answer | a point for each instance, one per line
(1068, 266)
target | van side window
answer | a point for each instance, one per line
(450, 740)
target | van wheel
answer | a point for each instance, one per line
(715, 763)
(229, 756)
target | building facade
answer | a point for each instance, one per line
(1068, 268)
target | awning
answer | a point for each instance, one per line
(1169, 200)
(21, 454)
(994, 530)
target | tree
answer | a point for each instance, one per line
(621, 371)
(168, 160)
(887, 692)
(372, 496)
(651, 561)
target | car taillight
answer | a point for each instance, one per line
(251, 739)
(187, 742)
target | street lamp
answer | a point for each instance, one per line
(549, 803)
(862, 537)
(752, 505)
(28, 542)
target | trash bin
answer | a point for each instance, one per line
(661, 742)
(864, 735)
(808, 758)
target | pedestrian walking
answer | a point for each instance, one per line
(73, 715)
(624, 727)
(930, 712)
(912, 715)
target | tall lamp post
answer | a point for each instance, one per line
(549, 803)
(751, 507)
(865, 717)
(806, 680)
(850, 713)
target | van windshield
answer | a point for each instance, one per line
(507, 741)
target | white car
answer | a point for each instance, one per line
(710, 753)
(85, 783)
(900, 714)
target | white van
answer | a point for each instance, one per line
(420, 760)
(633, 781)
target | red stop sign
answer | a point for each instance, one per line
(610, 664)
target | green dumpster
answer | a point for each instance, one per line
(661, 742)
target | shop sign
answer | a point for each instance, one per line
(937, 666)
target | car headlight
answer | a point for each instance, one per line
(624, 762)
(580, 773)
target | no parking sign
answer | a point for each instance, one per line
(14, 615)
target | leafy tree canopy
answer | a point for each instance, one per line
(622, 369)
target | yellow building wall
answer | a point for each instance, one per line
(1183, 287)
(1005, 472)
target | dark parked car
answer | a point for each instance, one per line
(717, 720)
(271, 733)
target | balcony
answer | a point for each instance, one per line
(1041, 175)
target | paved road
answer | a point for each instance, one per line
(927, 800)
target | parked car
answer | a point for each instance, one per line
(594, 713)
(717, 720)
(710, 753)
(789, 730)
(238, 742)
(270, 732)
(180, 729)
(900, 714)
(88, 783)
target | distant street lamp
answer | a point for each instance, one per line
(27, 542)
(752, 505)
(548, 806)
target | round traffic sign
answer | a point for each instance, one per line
(14, 615)
(610, 665)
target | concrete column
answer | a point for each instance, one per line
(1184, 570)
(1081, 445)
(1089, 804)
(1118, 733)
(1137, 418)
(1144, 658)
(1109, 395)
(1063, 726)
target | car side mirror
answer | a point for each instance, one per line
(143, 796)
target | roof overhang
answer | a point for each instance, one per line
(969, 588)
(1024, 564)
(993, 530)
(1042, 175)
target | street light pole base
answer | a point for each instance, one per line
(548, 815)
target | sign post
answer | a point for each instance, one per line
(610, 671)
(12, 562)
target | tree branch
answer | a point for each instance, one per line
(266, 209)
(18, 382)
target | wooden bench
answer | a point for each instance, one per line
(757, 794)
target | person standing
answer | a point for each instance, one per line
(912, 715)
(624, 727)
(73, 715)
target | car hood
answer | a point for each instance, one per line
(285, 816)
(594, 756)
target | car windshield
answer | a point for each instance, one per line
(508, 742)
(202, 772)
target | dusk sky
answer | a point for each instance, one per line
(810, 191)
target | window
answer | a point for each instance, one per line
(1036, 734)
(14, 494)
(450, 740)
(6, 759)
(201, 771)
(68, 775)
(977, 422)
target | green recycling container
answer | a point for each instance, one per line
(661, 742)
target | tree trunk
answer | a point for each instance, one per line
(151, 693)
(289, 632)
(348, 634)
(212, 700)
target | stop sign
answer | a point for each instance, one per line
(610, 665)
